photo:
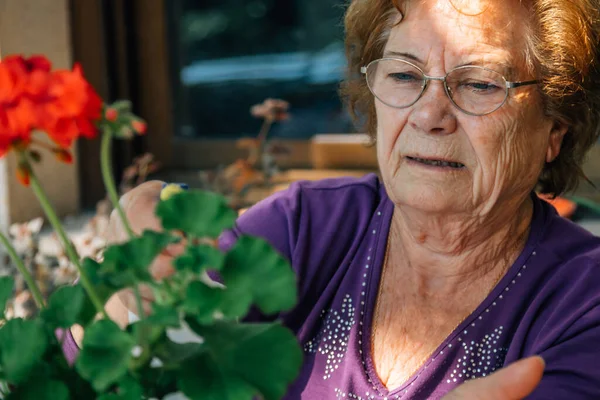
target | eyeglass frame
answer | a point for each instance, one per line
(427, 78)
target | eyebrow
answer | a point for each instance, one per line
(506, 67)
(401, 54)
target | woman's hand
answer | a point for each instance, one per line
(514, 382)
(139, 205)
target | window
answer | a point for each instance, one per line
(232, 54)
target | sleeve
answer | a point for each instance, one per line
(569, 340)
(573, 365)
(69, 346)
(274, 219)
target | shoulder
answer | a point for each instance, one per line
(559, 315)
(318, 226)
(310, 209)
(572, 253)
(566, 284)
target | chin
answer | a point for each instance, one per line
(433, 197)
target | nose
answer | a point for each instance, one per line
(433, 113)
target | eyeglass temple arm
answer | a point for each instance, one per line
(512, 85)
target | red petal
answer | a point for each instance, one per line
(139, 126)
(63, 155)
(23, 176)
(111, 114)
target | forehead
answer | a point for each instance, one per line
(464, 30)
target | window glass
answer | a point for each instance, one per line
(232, 54)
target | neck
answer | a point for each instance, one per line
(442, 255)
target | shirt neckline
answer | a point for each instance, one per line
(381, 224)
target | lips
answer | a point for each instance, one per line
(437, 162)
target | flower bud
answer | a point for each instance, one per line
(63, 155)
(139, 126)
(111, 114)
(23, 175)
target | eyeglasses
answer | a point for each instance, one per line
(472, 89)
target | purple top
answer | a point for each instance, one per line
(334, 232)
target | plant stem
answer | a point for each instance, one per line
(107, 177)
(58, 228)
(35, 290)
(261, 139)
(109, 183)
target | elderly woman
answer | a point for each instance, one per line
(449, 267)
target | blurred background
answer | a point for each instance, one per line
(193, 70)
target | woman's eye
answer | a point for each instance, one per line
(403, 77)
(480, 86)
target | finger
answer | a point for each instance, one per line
(162, 266)
(138, 205)
(127, 298)
(514, 382)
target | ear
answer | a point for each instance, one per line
(558, 132)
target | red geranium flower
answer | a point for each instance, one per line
(16, 99)
(73, 109)
(61, 103)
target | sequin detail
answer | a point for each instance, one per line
(341, 395)
(332, 339)
(479, 358)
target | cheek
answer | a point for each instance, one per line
(390, 123)
(510, 156)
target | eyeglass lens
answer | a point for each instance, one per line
(473, 89)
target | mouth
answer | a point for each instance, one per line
(437, 163)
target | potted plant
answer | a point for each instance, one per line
(228, 359)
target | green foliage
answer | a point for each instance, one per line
(198, 258)
(197, 213)
(22, 344)
(227, 359)
(129, 389)
(105, 354)
(254, 272)
(243, 360)
(7, 284)
(45, 389)
(64, 307)
(127, 264)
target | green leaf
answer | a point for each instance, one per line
(7, 284)
(122, 105)
(201, 379)
(243, 360)
(44, 389)
(103, 287)
(128, 389)
(198, 213)
(143, 329)
(172, 354)
(164, 316)
(255, 272)
(22, 346)
(105, 355)
(127, 263)
(203, 301)
(64, 307)
(198, 258)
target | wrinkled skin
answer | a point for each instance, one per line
(503, 152)
(455, 232)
